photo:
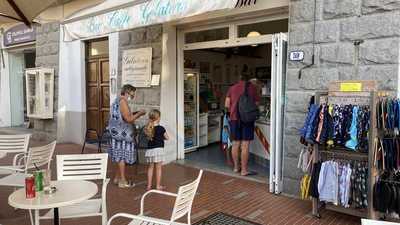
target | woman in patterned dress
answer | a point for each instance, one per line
(122, 150)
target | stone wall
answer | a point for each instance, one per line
(146, 98)
(47, 55)
(340, 23)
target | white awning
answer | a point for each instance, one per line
(22, 10)
(144, 14)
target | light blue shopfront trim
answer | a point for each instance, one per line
(148, 13)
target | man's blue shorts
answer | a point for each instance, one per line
(242, 131)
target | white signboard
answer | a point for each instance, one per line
(148, 13)
(136, 67)
(155, 80)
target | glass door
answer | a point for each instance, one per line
(191, 110)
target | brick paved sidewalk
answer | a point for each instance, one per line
(242, 198)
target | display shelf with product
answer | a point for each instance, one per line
(203, 123)
(191, 110)
(214, 126)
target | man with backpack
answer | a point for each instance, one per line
(241, 103)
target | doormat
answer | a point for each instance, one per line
(220, 218)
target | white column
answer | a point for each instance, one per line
(71, 121)
(168, 90)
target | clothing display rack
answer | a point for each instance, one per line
(381, 174)
(349, 93)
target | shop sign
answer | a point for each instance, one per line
(296, 56)
(350, 87)
(244, 3)
(136, 67)
(19, 34)
(148, 13)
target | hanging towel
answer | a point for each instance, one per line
(226, 132)
(304, 186)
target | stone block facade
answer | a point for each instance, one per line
(146, 98)
(339, 25)
(47, 55)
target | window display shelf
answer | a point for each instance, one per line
(40, 92)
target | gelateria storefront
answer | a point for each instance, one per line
(183, 56)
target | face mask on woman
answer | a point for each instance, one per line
(130, 97)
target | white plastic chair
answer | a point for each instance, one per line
(83, 167)
(13, 144)
(38, 157)
(376, 222)
(182, 207)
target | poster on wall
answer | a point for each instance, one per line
(136, 67)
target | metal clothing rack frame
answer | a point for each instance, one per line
(365, 96)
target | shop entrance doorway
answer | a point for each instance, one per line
(97, 87)
(211, 61)
(209, 74)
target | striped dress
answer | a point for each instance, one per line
(122, 137)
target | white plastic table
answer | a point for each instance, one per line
(68, 193)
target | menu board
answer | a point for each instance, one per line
(136, 67)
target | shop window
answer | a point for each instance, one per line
(97, 48)
(40, 92)
(30, 60)
(263, 28)
(207, 35)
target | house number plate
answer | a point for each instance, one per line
(296, 56)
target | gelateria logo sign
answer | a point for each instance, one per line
(148, 13)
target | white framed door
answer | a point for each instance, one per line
(16, 73)
(278, 80)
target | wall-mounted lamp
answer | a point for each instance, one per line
(253, 34)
